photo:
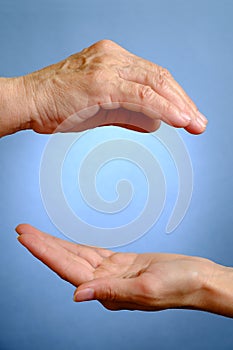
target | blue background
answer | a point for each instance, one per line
(193, 39)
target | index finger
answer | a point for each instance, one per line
(162, 81)
(68, 266)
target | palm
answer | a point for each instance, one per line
(71, 122)
(151, 281)
(78, 263)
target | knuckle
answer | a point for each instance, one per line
(104, 44)
(163, 75)
(165, 72)
(146, 93)
(168, 109)
(108, 294)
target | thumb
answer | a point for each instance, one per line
(106, 289)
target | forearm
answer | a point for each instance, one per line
(217, 292)
(14, 106)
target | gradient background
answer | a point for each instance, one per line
(193, 39)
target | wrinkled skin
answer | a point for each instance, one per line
(107, 85)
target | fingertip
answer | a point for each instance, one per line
(23, 228)
(20, 228)
(21, 239)
(196, 128)
(84, 294)
(177, 119)
(198, 124)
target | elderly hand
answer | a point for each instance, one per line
(150, 282)
(102, 85)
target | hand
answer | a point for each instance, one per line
(104, 85)
(149, 282)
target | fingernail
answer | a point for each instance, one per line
(84, 295)
(202, 117)
(186, 117)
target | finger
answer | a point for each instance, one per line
(142, 98)
(130, 120)
(69, 267)
(197, 126)
(51, 240)
(189, 102)
(135, 128)
(199, 121)
(112, 114)
(92, 255)
(160, 79)
(107, 289)
(159, 82)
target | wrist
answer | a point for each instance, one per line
(217, 293)
(214, 289)
(197, 283)
(14, 106)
